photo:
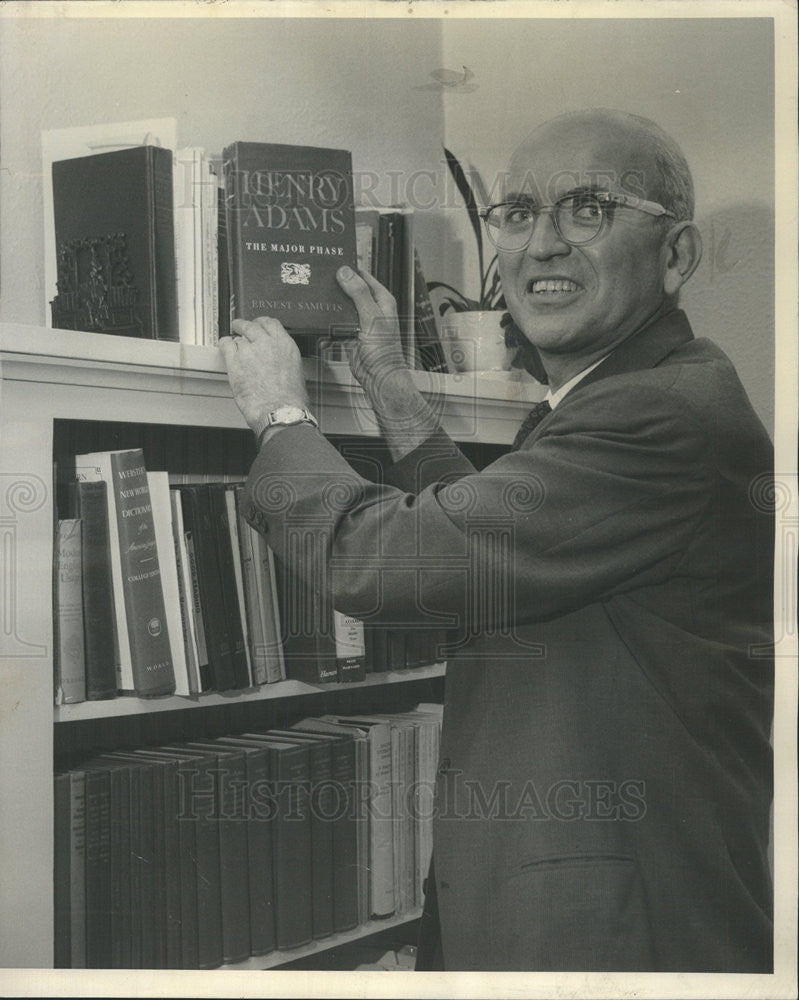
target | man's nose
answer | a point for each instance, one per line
(546, 241)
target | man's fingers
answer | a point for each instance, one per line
(252, 329)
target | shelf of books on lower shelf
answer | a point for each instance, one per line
(231, 848)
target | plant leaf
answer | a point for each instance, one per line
(471, 205)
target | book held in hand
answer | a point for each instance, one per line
(290, 226)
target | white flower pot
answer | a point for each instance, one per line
(475, 341)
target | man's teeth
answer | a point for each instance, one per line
(556, 285)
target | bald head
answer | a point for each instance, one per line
(626, 152)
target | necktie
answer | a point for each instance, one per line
(531, 421)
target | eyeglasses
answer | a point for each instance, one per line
(578, 218)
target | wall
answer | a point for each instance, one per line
(377, 87)
(707, 82)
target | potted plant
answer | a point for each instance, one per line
(479, 332)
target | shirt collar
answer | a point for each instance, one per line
(553, 398)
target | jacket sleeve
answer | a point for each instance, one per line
(606, 499)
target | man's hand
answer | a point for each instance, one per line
(264, 368)
(378, 363)
(378, 350)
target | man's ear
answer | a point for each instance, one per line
(682, 248)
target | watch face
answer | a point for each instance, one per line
(289, 415)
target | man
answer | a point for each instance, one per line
(605, 769)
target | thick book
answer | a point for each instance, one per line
(70, 667)
(345, 832)
(290, 225)
(291, 840)
(62, 861)
(259, 820)
(145, 666)
(325, 804)
(115, 243)
(88, 501)
(199, 524)
(307, 625)
(98, 869)
(231, 778)
(227, 587)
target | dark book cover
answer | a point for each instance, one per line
(198, 522)
(145, 666)
(231, 778)
(199, 810)
(115, 243)
(395, 644)
(98, 593)
(259, 820)
(290, 769)
(307, 627)
(291, 225)
(223, 271)
(98, 869)
(62, 822)
(345, 842)
(227, 591)
(324, 806)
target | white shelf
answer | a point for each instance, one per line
(275, 958)
(474, 406)
(129, 705)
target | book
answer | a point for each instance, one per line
(115, 243)
(98, 869)
(259, 820)
(348, 635)
(70, 661)
(190, 618)
(267, 590)
(145, 658)
(227, 589)
(231, 777)
(200, 526)
(290, 225)
(158, 485)
(323, 807)
(98, 595)
(345, 827)
(62, 861)
(289, 768)
(307, 627)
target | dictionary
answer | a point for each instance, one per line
(290, 226)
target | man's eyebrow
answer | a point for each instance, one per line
(524, 198)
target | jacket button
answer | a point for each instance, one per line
(444, 765)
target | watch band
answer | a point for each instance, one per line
(274, 419)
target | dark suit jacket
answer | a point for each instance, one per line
(605, 775)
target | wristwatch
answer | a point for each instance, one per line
(285, 416)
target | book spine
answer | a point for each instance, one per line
(428, 337)
(345, 854)
(222, 264)
(350, 647)
(380, 822)
(185, 595)
(206, 678)
(98, 870)
(232, 522)
(233, 220)
(226, 586)
(294, 915)
(70, 659)
(254, 606)
(77, 868)
(323, 807)
(62, 952)
(144, 599)
(164, 320)
(158, 485)
(98, 594)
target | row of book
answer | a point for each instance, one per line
(208, 852)
(166, 589)
(171, 245)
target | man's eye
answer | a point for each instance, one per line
(517, 215)
(586, 210)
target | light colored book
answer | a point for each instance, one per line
(70, 655)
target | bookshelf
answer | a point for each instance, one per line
(48, 376)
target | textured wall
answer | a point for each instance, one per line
(707, 82)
